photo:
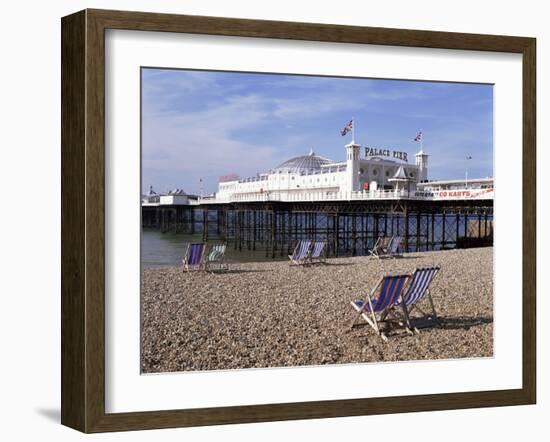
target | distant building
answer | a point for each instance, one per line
(173, 197)
(479, 188)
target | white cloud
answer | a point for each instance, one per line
(195, 127)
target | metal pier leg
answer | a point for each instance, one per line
(205, 224)
(336, 234)
(354, 234)
(443, 234)
(255, 228)
(433, 230)
(479, 227)
(273, 234)
(406, 229)
(457, 228)
(283, 232)
(418, 231)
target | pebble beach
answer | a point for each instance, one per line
(270, 314)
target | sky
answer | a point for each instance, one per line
(200, 125)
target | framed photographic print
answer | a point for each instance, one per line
(268, 220)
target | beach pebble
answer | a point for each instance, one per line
(271, 315)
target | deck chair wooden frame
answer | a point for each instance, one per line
(194, 257)
(380, 301)
(417, 291)
(301, 253)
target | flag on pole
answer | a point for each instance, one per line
(418, 136)
(468, 157)
(347, 128)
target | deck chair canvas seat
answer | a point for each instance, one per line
(317, 252)
(417, 291)
(216, 257)
(194, 257)
(300, 256)
(377, 306)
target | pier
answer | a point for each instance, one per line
(350, 227)
(349, 204)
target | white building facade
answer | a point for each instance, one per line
(377, 170)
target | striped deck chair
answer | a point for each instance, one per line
(380, 301)
(418, 289)
(300, 255)
(194, 257)
(380, 246)
(393, 247)
(317, 252)
(216, 257)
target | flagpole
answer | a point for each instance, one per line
(421, 141)
(352, 130)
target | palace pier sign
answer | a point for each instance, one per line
(382, 152)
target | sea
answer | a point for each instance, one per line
(167, 249)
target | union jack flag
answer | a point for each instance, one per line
(418, 136)
(347, 128)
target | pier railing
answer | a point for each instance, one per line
(456, 194)
(305, 196)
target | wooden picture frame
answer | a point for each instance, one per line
(83, 220)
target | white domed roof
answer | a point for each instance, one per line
(303, 163)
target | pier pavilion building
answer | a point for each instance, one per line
(376, 170)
